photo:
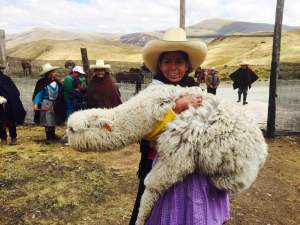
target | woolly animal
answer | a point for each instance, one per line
(216, 139)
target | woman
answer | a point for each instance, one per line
(12, 112)
(194, 200)
(48, 102)
(102, 91)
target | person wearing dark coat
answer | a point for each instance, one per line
(242, 79)
(76, 96)
(102, 91)
(48, 102)
(12, 111)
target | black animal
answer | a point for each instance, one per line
(26, 66)
(133, 76)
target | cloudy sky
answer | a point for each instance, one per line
(128, 16)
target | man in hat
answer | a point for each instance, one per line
(76, 73)
(212, 81)
(13, 112)
(243, 78)
(199, 75)
(102, 91)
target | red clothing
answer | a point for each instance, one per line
(102, 92)
(152, 153)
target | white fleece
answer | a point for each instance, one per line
(217, 139)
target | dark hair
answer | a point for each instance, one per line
(184, 56)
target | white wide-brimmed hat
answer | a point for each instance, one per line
(100, 65)
(244, 63)
(47, 68)
(174, 40)
(78, 69)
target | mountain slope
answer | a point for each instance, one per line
(70, 49)
(37, 34)
(254, 50)
(53, 44)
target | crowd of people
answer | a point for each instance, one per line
(54, 100)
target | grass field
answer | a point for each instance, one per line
(54, 184)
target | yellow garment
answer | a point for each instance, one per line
(160, 126)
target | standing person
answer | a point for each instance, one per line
(194, 200)
(76, 96)
(102, 91)
(77, 71)
(48, 102)
(199, 75)
(212, 81)
(13, 112)
(243, 78)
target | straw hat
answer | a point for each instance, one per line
(100, 65)
(174, 40)
(47, 68)
(244, 63)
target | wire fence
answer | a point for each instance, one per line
(26, 87)
(288, 99)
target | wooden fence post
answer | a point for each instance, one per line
(3, 59)
(274, 69)
(182, 14)
(85, 63)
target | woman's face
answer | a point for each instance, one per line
(52, 74)
(99, 72)
(173, 66)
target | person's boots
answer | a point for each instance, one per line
(3, 141)
(48, 137)
(54, 137)
(13, 141)
(244, 100)
(240, 95)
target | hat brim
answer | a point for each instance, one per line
(196, 51)
(107, 66)
(48, 70)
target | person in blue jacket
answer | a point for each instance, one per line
(48, 102)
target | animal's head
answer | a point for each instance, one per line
(90, 130)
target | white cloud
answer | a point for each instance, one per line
(129, 16)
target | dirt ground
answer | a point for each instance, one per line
(54, 184)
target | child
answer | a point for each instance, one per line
(76, 95)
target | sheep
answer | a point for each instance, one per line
(217, 139)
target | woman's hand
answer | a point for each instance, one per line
(184, 102)
(35, 107)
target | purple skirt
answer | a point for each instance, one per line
(194, 201)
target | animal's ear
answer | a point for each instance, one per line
(107, 127)
(105, 124)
